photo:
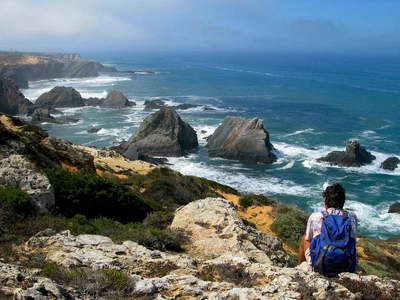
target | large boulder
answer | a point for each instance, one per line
(116, 99)
(354, 156)
(241, 139)
(216, 230)
(163, 134)
(12, 101)
(390, 163)
(60, 96)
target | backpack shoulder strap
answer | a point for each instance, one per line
(350, 218)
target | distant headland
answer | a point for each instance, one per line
(23, 67)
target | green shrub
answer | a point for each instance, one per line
(95, 196)
(158, 219)
(167, 239)
(254, 199)
(106, 283)
(79, 224)
(290, 227)
(16, 199)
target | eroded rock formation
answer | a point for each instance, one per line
(163, 134)
(354, 156)
(116, 99)
(241, 139)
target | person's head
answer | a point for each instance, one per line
(334, 196)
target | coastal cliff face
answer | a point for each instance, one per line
(24, 67)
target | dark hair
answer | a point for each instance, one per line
(335, 196)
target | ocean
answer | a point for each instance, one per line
(310, 105)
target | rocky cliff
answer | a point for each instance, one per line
(12, 101)
(24, 67)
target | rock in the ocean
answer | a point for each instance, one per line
(394, 208)
(354, 156)
(241, 139)
(60, 96)
(390, 163)
(163, 134)
(116, 99)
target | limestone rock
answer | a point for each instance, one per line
(164, 134)
(217, 230)
(12, 101)
(60, 96)
(17, 171)
(354, 156)
(241, 139)
(390, 163)
(116, 99)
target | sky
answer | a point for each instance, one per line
(360, 26)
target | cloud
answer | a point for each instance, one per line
(190, 24)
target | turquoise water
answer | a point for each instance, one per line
(310, 104)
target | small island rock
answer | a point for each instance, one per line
(116, 99)
(60, 96)
(394, 208)
(354, 156)
(241, 139)
(390, 164)
(164, 134)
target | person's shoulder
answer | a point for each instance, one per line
(353, 214)
(316, 216)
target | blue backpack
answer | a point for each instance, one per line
(334, 250)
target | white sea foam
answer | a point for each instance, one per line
(375, 219)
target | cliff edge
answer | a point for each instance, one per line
(23, 67)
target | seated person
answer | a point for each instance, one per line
(334, 198)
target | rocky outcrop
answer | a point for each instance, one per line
(12, 101)
(235, 268)
(215, 229)
(40, 149)
(71, 157)
(241, 139)
(163, 134)
(116, 99)
(354, 156)
(154, 104)
(394, 208)
(24, 67)
(390, 163)
(17, 171)
(60, 96)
